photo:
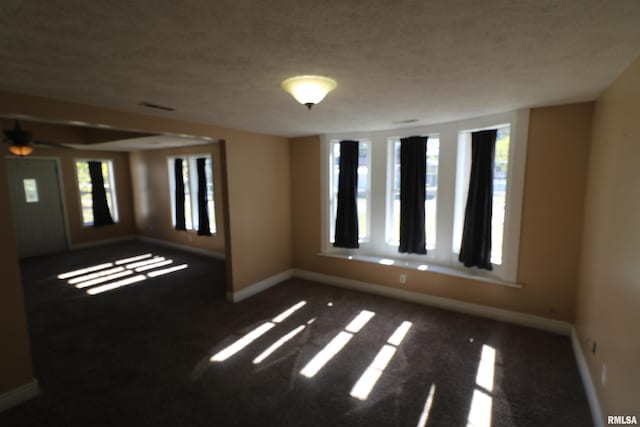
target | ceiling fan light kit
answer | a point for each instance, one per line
(19, 140)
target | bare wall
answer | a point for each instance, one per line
(609, 286)
(15, 356)
(260, 218)
(557, 160)
(153, 202)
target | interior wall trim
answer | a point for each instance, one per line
(260, 286)
(19, 395)
(587, 381)
(188, 248)
(523, 319)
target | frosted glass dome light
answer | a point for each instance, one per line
(309, 90)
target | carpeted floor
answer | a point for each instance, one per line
(141, 355)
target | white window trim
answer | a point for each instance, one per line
(193, 178)
(112, 187)
(448, 133)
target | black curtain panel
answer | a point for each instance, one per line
(179, 195)
(413, 176)
(203, 212)
(475, 250)
(101, 214)
(346, 230)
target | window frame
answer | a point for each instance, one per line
(332, 199)
(390, 196)
(110, 187)
(190, 161)
(380, 190)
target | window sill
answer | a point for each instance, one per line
(422, 267)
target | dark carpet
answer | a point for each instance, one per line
(140, 355)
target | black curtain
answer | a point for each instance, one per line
(101, 214)
(179, 195)
(203, 212)
(346, 233)
(413, 175)
(475, 250)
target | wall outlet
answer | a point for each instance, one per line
(603, 375)
(403, 279)
(594, 347)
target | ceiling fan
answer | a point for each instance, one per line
(21, 141)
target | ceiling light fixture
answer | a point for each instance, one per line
(309, 90)
(19, 141)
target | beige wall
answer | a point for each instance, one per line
(152, 200)
(608, 309)
(15, 355)
(259, 188)
(552, 219)
(258, 209)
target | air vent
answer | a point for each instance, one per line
(155, 106)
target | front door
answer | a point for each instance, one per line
(36, 205)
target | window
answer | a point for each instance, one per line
(84, 188)
(362, 197)
(501, 167)
(431, 192)
(448, 167)
(30, 190)
(190, 177)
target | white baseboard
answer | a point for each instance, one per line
(589, 388)
(180, 246)
(96, 243)
(19, 395)
(549, 325)
(260, 286)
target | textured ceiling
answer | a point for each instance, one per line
(222, 62)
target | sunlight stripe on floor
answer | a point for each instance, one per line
(247, 339)
(146, 262)
(155, 265)
(276, 345)
(84, 270)
(103, 279)
(90, 276)
(132, 259)
(162, 272)
(424, 416)
(115, 285)
(374, 371)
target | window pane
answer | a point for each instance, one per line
(30, 190)
(210, 202)
(499, 194)
(334, 173)
(431, 193)
(393, 235)
(188, 214)
(87, 208)
(362, 198)
(84, 188)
